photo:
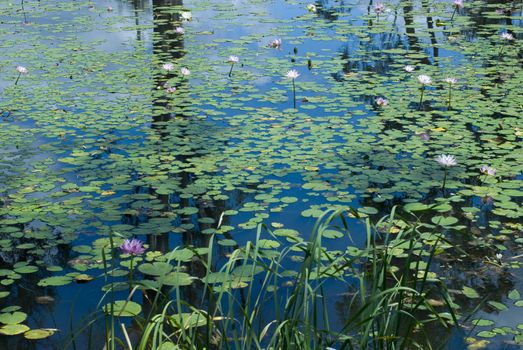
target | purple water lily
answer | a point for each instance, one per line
(132, 247)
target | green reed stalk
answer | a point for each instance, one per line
(294, 92)
(421, 97)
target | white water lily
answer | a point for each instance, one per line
(21, 70)
(446, 160)
(424, 79)
(488, 170)
(292, 74)
(312, 8)
(233, 59)
(168, 66)
(186, 15)
(185, 71)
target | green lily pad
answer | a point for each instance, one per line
(123, 308)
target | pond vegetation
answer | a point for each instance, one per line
(261, 174)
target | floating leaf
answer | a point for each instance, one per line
(12, 318)
(13, 329)
(470, 293)
(123, 308)
(43, 333)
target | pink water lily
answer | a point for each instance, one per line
(458, 4)
(274, 43)
(381, 102)
(379, 8)
(132, 247)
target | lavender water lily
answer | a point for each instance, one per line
(132, 247)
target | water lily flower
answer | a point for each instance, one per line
(168, 66)
(132, 247)
(232, 60)
(312, 8)
(292, 74)
(185, 71)
(170, 89)
(487, 170)
(506, 37)
(179, 30)
(382, 102)
(424, 79)
(379, 8)
(275, 43)
(109, 9)
(458, 4)
(409, 68)
(186, 15)
(499, 256)
(446, 160)
(21, 70)
(450, 81)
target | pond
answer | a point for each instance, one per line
(218, 133)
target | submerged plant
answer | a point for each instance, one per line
(232, 60)
(446, 161)
(21, 70)
(424, 80)
(450, 82)
(293, 74)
